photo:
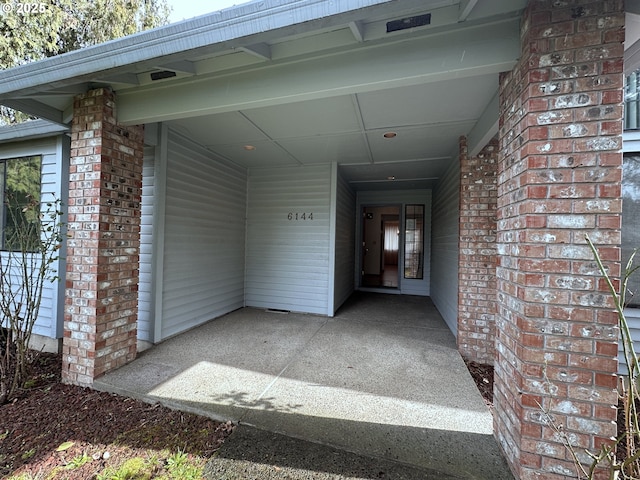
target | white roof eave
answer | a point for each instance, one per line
(210, 29)
(29, 130)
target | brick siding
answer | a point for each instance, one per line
(105, 187)
(559, 179)
(477, 258)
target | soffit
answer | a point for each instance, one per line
(318, 91)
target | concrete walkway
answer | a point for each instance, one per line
(382, 379)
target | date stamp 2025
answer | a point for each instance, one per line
(23, 8)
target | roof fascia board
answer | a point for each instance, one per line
(226, 25)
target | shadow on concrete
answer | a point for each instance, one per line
(255, 453)
(382, 379)
(422, 452)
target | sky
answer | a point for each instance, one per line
(184, 9)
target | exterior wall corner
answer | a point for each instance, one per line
(477, 254)
(558, 180)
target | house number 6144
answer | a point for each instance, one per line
(299, 216)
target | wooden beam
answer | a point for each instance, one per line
(182, 66)
(37, 109)
(357, 29)
(125, 78)
(465, 9)
(485, 128)
(359, 68)
(260, 50)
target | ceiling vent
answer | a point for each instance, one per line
(162, 75)
(409, 22)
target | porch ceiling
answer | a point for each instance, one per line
(427, 119)
(290, 83)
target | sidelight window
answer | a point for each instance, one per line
(414, 242)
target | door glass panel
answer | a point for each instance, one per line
(414, 241)
(380, 233)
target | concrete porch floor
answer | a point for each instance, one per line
(383, 379)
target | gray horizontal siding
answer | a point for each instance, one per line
(204, 234)
(146, 285)
(288, 260)
(631, 234)
(345, 262)
(444, 253)
(54, 170)
(632, 316)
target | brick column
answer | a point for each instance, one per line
(477, 258)
(559, 179)
(101, 305)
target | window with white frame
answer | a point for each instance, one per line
(631, 222)
(20, 180)
(632, 101)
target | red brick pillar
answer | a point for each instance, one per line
(559, 179)
(477, 258)
(101, 306)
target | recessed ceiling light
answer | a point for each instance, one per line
(390, 135)
(249, 148)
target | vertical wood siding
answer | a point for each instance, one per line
(145, 288)
(346, 216)
(54, 186)
(446, 215)
(288, 259)
(204, 237)
(402, 198)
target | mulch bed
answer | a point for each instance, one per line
(482, 375)
(106, 427)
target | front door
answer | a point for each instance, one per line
(380, 247)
